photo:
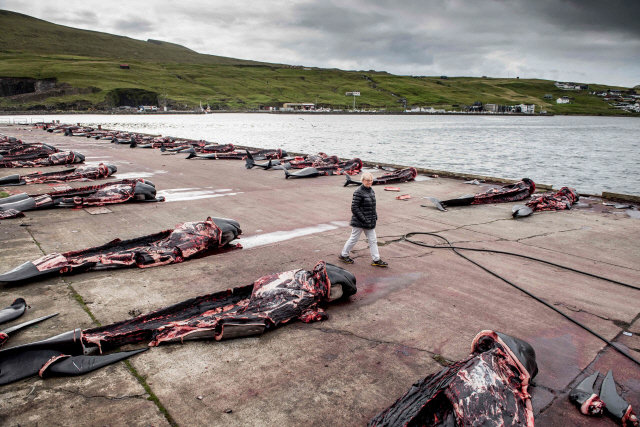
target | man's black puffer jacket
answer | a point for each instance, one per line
(363, 208)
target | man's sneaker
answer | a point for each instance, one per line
(345, 259)
(380, 263)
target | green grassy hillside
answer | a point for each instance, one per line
(22, 33)
(85, 65)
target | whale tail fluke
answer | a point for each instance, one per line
(192, 153)
(250, 163)
(436, 202)
(349, 181)
(286, 174)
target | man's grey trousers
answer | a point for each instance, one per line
(355, 236)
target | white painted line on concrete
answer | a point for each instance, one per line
(184, 194)
(131, 175)
(281, 236)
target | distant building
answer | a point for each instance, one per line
(124, 66)
(548, 96)
(491, 108)
(418, 109)
(444, 77)
(299, 106)
(477, 106)
(570, 86)
(527, 109)
(563, 100)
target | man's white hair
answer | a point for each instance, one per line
(367, 175)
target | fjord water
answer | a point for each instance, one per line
(591, 154)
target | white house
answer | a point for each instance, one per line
(563, 100)
(570, 86)
(527, 109)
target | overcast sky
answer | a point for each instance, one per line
(586, 41)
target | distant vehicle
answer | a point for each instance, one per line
(148, 108)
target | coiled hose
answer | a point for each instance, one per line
(407, 236)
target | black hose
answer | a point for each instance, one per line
(456, 248)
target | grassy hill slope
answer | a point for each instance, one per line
(22, 33)
(85, 65)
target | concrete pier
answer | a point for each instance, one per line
(405, 322)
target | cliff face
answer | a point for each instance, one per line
(24, 89)
(10, 86)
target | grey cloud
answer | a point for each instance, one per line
(72, 17)
(332, 18)
(135, 26)
(456, 37)
(582, 40)
(87, 16)
(617, 16)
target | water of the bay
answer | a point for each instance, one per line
(591, 154)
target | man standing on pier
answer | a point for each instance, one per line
(363, 208)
